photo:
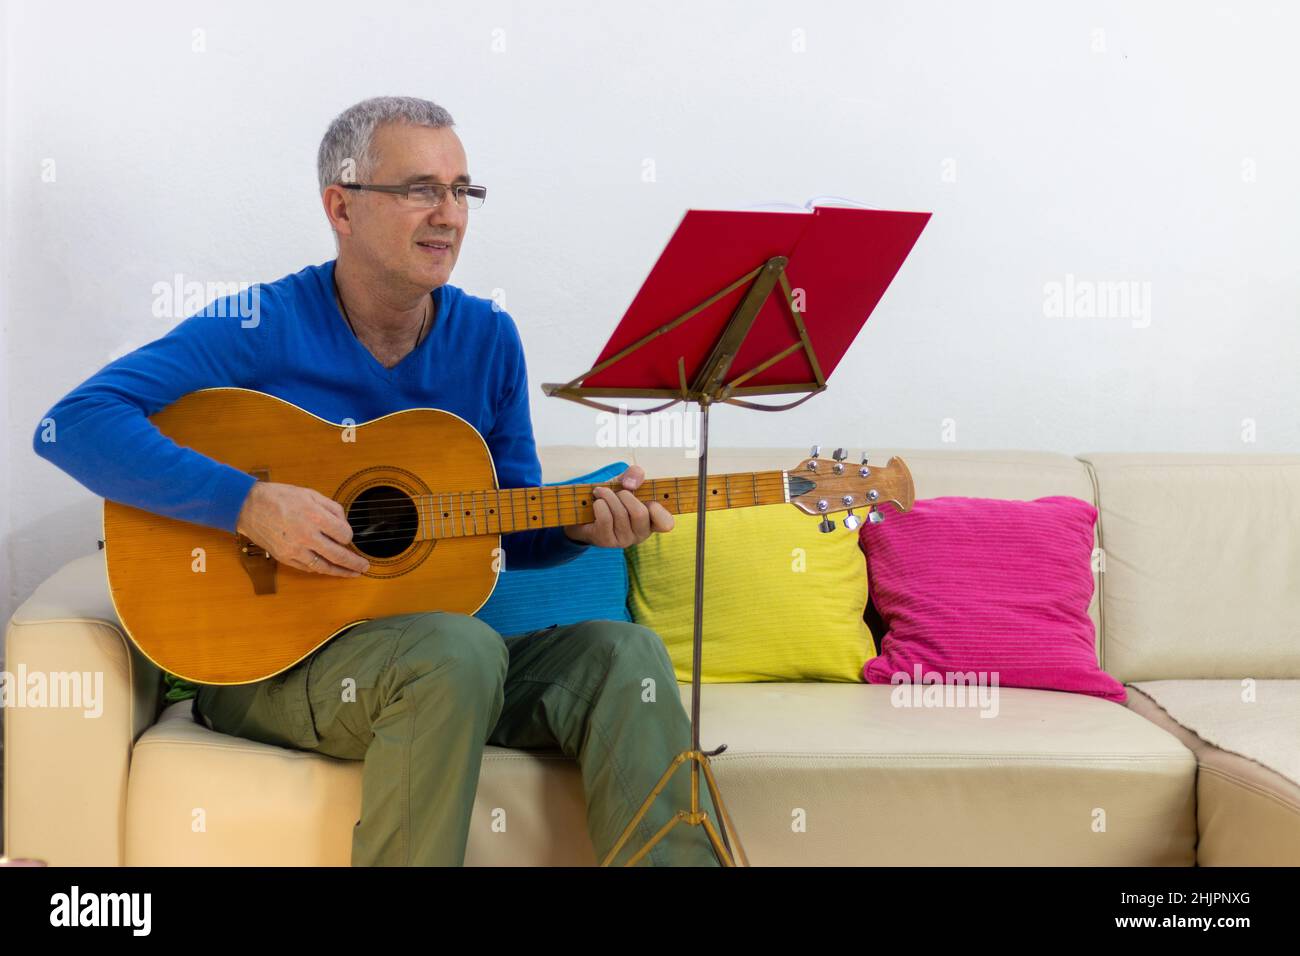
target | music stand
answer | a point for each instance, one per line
(831, 264)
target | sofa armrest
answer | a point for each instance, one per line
(66, 759)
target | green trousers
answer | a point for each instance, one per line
(417, 696)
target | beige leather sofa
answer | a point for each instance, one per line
(1198, 611)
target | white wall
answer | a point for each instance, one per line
(8, 455)
(1124, 154)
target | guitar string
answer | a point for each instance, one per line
(406, 531)
(393, 507)
(770, 480)
(410, 537)
(409, 505)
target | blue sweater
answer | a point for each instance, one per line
(296, 346)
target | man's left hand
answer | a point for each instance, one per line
(622, 519)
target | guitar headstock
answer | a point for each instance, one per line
(821, 487)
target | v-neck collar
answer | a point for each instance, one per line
(408, 360)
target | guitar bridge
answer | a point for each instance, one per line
(257, 561)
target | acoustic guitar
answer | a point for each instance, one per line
(420, 491)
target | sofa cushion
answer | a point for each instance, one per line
(990, 587)
(591, 586)
(1011, 475)
(1247, 813)
(1201, 564)
(1256, 719)
(821, 774)
(782, 601)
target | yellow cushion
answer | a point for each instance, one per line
(782, 600)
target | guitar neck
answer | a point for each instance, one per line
(458, 514)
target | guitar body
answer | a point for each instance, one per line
(199, 605)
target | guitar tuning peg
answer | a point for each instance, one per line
(852, 521)
(816, 451)
(840, 454)
(825, 525)
(875, 517)
(864, 458)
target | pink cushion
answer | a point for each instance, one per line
(986, 585)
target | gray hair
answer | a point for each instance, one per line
(350, 137)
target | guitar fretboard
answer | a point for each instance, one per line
(458, 514)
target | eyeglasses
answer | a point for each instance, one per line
(430, 194)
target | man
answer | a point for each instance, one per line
(375, 331)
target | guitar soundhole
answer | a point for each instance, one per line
(384, 521)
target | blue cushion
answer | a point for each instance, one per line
(593, 586)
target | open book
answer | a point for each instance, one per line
(807, 207)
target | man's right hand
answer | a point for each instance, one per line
(301, 528)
